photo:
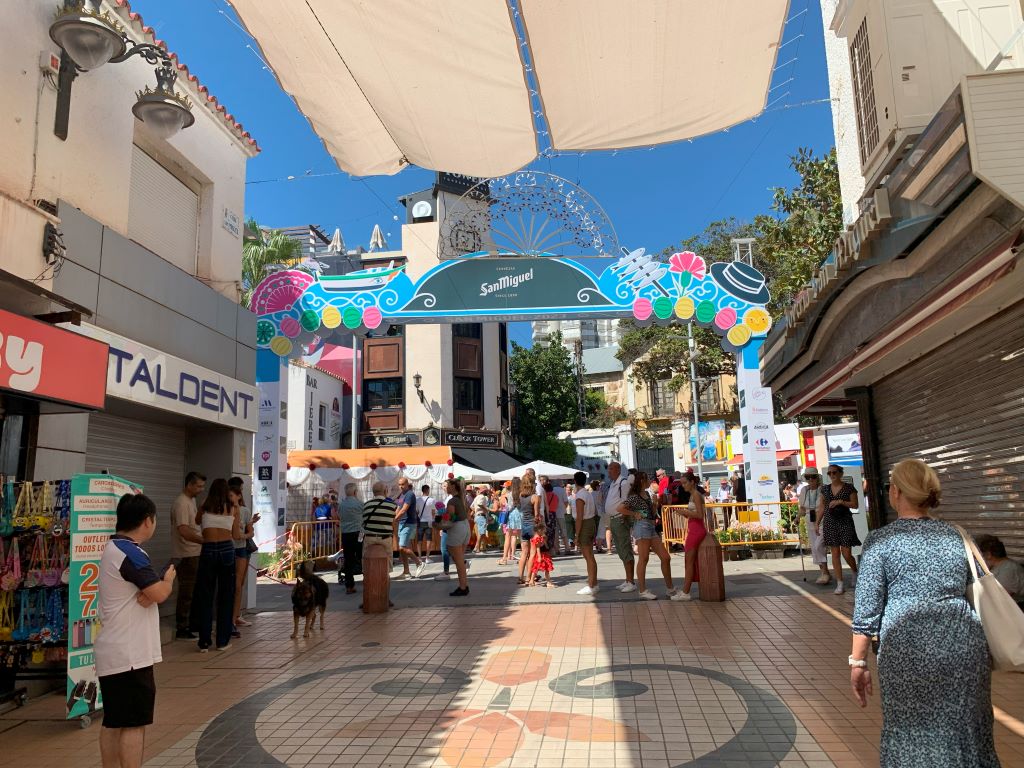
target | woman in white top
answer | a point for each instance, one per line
(808, 502)
(221, 525)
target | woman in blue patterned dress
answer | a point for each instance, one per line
(933, 660)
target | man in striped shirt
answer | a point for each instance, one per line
(378, 518)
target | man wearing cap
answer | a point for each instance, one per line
(615, 499)
(808, 502)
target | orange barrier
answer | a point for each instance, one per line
(673, 521)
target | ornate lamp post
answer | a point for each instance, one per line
(88, 39)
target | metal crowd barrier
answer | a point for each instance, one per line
(673, 521)
(314, 540)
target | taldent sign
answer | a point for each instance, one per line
(145, 375)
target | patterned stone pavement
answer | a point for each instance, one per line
(759, 680)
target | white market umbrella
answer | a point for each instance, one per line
(546, 468)
(469, 474)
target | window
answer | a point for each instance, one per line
(163, 212)
(383, 394)
(864, 92)
(321, 422)
(663, 399)
(468, 395)
(710, 396)
(467, 330)
(386, 331)
(503, 337)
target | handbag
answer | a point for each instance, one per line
(10, 568)
(250, 546)
(1001, 618)
(36, 563)
(55, 566)
(6, 615)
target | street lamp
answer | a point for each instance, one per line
(88, 39)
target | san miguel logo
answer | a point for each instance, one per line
(508, 281)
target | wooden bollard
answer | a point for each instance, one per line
(712, 577)
(376, 578)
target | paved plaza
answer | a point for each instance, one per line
(518, 677)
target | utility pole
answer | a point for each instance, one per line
(355, 399)
(580, 395)
(693, 394)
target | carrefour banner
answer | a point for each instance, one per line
(298, 308)
(93, 521)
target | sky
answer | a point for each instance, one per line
(654, 197)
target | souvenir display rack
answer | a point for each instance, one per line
(34, 575)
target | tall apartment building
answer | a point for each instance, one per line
(593, 333)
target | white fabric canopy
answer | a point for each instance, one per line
(442, 84)
(552, 471)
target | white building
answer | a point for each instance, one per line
(319, 409)
(150, 265)
(593, 333)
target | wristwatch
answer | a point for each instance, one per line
(858, 663)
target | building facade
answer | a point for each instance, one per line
(319, 408)
(914, 323)
(131, 242)
(433, 384)
(592, 334)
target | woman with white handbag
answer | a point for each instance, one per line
(933, 658)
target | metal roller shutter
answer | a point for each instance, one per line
(163, 213)
(152, 455)
(961, 409)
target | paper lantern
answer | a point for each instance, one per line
(451, 476)
(372, 317)
(427, 464)
(642, 309)
(757, 320)
(738, 335)
(684, 308)
(344, 466)
(352, 317)
(309, 320)
(705, 312)
(450, 462)
(726, 318)
(663, 307)
(373, 466)
(311, 466)
(331, 317)
(401, 465)
(287, 466)
(280, 346)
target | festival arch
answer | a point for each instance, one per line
(503, 258)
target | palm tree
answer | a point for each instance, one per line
(265, 251)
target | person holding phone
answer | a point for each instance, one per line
(244, 547)
(129, 645)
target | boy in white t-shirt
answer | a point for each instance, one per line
(129, 645)
(586, 516)
(427, 508)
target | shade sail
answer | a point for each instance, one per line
(442, 85)
(540, 468)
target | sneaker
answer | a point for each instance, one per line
(236, 634)
(823, 579)
(586, 591)
(442, 577)
(680, 596)
(204, 649)
(184, 634)
(223, 647)
(406, 577)
(426, 560)
(419, 569)
(242, 622)
(459, 592)
(627, 586)
(468, 565)
(670, 592)
(647, 595)
(853, 580)
(840, 588)
(335, 557)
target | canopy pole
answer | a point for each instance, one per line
(355, 409)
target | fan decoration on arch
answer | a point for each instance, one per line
(296, 309)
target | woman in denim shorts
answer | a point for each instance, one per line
(638, 505)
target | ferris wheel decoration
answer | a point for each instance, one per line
(529, 213)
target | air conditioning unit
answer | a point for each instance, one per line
(907, 56)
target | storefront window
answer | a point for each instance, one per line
(321, 431)
(467, 330)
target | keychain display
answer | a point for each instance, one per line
(22, 512)
(6, 507)
(62, 510)
(10, 567)
(42, 517)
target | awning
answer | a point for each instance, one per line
(487, 459)
(779, 457)
(364, 457)
(443, 85)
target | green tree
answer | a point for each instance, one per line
(805, 222)
(263, 252)
(791, 242)
(600, 414)
(556, 451)
(546, 391)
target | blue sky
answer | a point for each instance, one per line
(654, 197)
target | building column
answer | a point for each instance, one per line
(625, 440)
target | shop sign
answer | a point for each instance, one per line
(390, 440)
(844, 446)
(265, 473)
(93, 516)
(145, 375)
(44, 361)
(474, 439)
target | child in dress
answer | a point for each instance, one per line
(540, 560)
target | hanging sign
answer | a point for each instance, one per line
(471, 439)
(729, 297)
(93, 516)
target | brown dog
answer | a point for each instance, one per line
(308, 596)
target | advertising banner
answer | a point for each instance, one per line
(844, 446)
(93, 516)
(710, 436)
(757, 422)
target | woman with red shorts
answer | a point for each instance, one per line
(696, 530)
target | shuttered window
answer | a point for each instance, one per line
(864, 93)
(961, 409)
(163, 213)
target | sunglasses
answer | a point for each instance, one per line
(833, 472)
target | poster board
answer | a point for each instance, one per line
(93, 515)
